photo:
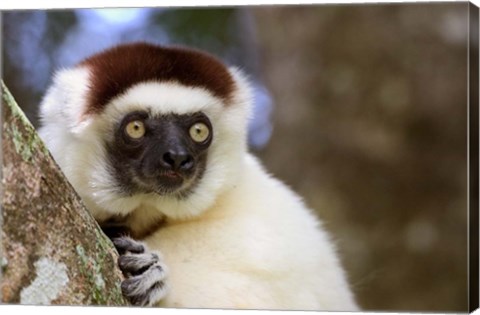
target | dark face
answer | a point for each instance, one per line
(165, 155)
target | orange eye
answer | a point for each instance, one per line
(135, 129)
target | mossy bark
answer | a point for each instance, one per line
(53, 251)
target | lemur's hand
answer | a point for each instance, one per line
(144, 272)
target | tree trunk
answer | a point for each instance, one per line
(53, 251)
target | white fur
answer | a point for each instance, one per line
(241, 240)
(258, 247)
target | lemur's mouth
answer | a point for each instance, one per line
(171, 174)
(170, 180)
(167, 183)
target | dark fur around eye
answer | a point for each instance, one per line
(140, 165)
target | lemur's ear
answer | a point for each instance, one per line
(65, 101)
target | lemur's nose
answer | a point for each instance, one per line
(177, 160)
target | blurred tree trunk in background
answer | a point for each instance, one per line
(370, 127)
(53, 252)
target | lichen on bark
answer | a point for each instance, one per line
(46, 228)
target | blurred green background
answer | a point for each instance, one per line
(362, 109)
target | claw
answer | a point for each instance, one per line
(146, 288)
(143, 270)
(137, 264)
(126, 244)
